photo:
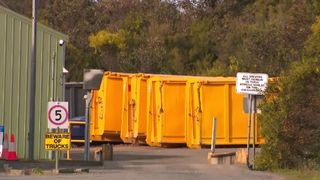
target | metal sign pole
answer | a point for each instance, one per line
(254, 129)
(91, 81)
(32, 92)
(87, 128)
(53, 74)
(249, 128)
(57, 155)
(50, 153)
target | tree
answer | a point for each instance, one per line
(260, 36)
(23, 6)
(290, 119)
(138, 44)
(290, 114)
(207, 37)
(76, 18)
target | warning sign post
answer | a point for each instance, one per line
(57, 141)
(252, 84)
(58, 119)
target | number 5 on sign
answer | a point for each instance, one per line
(58, 115)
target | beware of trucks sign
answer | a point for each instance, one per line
(251, 83)
(57, 141)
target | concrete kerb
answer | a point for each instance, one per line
(222, 158)
(46, 167)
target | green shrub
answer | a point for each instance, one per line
(290, 119)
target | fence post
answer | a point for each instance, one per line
(213, 138)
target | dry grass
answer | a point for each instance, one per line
(300, 174)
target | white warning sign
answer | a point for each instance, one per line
(58, 115)
(251, 83)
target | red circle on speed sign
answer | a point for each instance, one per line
(54, 108)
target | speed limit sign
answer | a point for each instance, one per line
(58, 115)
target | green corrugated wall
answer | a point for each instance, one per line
(15, 49)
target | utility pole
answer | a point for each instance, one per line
(32, 93)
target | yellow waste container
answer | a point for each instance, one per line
(166, 116)
(119, 108)
(138, 107)
(109, 105)
(167, 109)
(216, 97)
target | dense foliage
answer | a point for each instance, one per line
(291, 114)
(291, 119)
(207, 37)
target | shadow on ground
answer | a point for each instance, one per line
(131, 157)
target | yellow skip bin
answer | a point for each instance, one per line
(109, 105)
(216, 97)
(166, 111)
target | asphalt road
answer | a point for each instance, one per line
(147, 163)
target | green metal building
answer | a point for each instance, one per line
(15, 55)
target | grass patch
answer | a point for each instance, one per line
(299, 174)
(37, 171)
